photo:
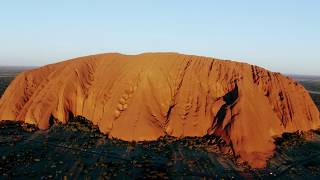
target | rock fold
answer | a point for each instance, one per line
(143, 97)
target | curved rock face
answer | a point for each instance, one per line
(143, 97)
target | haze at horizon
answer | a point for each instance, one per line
(281, 36)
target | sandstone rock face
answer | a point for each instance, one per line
(143, 97)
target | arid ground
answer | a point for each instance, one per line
(312, 84)
(78, 150)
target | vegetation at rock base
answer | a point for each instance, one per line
(77, 149)
(80, 143)
(288, 140)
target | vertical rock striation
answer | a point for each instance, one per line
(143, 97)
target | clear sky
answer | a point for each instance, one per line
(280, 35)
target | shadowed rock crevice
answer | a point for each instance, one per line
(169, 111)
(183, 94)
(52, 120)
(221, 123)
(232, 96)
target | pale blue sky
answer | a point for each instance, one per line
(280, 35)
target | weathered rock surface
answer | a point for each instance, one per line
(146, 96)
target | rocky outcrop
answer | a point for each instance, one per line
(143, 97)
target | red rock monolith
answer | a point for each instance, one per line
(143, 97)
